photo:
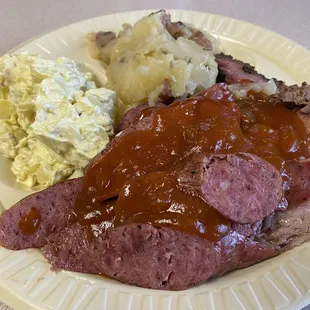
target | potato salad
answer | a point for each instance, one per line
(53, 118)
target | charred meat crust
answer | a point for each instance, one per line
(294, 96)
(233, 71)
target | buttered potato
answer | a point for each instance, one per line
(156, 59)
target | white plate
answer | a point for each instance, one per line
(279, 283)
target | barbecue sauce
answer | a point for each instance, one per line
(30, 222)
(210, 122)
(166, 205)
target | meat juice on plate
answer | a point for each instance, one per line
(136, 168)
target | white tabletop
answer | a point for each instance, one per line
(22, 20)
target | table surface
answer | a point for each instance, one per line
(22, 20)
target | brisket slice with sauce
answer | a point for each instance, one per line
(135, 120)
(54, 206)
(173, 259)
(294, 97)
(132, 116)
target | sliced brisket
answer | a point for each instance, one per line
(173, 260)
(54, 205)
(133, 115)
(233, 71)
(288, 229)
(299, 191)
